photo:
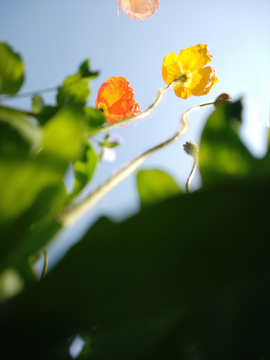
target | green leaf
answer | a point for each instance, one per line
(222, 156)
(155, 186)
(32, 193)
(11, 70)
(63, 135)
(94, 117)
(86, 72)
(24, 172)
(173, 282)
(37, 103)
(84, 168)
(46, 113)
(21, 122)
(75, 88)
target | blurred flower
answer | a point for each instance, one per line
(110, 142)
(138, 9)
(108, 155)
(189, 64)
(115, 98)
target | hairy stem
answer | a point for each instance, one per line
(195, 163)
(46, 261)
(75, 212)
(30, 93)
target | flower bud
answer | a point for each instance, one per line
(221, 98)
(191, 148)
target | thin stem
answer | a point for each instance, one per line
(16, 96)
(195, 163)
(45, 266)
(75, 212)
(142, 114)
(29, 113)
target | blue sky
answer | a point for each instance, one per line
(55, 36)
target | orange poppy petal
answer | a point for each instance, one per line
(194, 57)
(138, 9)
(116, 99)
(203, 80)
(171, 68)
(114, 89)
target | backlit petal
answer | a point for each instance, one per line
(182, 91)
(112, 90)
(116, 99)
(138, 9)
(194, 57)
(202, 81)
(171, 69)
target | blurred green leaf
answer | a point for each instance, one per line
(84, 168)
(37, 103)
(21, 122)
(11, 70)
(223, 156)
(63, 135)
(155, 186)
(75, 88)
(94, 117)
(85, 71)
(175, 281)
(46, 113)
(24, 173)
(31, 184)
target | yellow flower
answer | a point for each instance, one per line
(189, 65)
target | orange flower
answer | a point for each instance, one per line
(115, 98)
(189, 65)
(138, 9)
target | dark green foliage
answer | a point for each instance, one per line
(161, 284)
(11, 70)
(223, 157)
(155, 186)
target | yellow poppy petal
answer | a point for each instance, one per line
(182, 91)
(202, 81)
(171, 69)
(138, 9)
(194, 57)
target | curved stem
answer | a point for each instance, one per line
(24, 112)
(46, 261)
(142, 114)
(75, 212)
(17, 96)
(195, 163)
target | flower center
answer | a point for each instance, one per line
(186, 78)
(103, 108)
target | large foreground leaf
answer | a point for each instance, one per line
(185, 279)
(155, 186)
(223, 157)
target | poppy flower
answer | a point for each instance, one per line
(115, 98)
(189, 65)
(138, 9)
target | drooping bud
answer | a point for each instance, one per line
(191, 148)
(221, 98)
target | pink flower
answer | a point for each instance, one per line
(138, 9)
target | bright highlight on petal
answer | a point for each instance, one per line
(115, 98)
(190, 62)
(138, 9)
